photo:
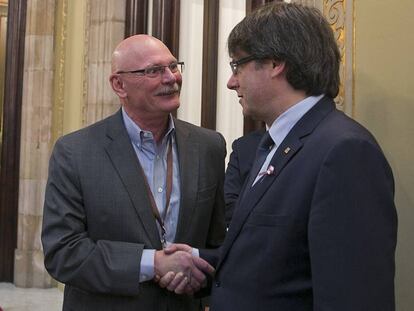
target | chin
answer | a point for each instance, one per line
(171, 106)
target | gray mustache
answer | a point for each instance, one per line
(168, 91)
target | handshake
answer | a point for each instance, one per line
(179, 271)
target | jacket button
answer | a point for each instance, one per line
(217, 283)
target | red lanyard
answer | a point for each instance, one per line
(155, 210)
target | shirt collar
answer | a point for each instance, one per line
(284, 123)
(135, 133)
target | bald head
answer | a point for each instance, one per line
(146, 98)
(134, 51)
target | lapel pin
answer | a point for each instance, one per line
(270, 170)
(286, 151)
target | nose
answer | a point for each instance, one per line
(169, 77)
(232, 84)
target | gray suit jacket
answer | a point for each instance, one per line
(98, 218)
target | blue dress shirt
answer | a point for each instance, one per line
(153, 160)
(283, 124)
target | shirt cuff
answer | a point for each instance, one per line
(195, 252)
(147, 265)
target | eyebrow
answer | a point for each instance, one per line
(159, 64)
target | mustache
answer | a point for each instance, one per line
(169, 90)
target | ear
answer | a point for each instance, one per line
(278, 68)
(117, 85)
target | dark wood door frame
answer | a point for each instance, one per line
(10, 153)
(166, 23)
(136, 17)
(210, 63)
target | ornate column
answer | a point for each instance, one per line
(44, 103)
(106, 20)
(35, 142)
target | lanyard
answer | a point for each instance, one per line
(155, 210)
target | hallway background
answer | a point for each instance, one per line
(66, 47)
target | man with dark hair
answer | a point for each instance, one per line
(314, 227)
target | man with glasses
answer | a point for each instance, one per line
(121, 190)
(315, 224)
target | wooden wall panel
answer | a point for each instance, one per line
(166, 23)
(10, 153)
(136, 17)
(209, 75)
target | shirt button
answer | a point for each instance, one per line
(159, 189)
(158, 157)
(217, 283)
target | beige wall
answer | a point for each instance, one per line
(384, 102)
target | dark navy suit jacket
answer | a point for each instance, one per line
(241, 161)
(320, 233)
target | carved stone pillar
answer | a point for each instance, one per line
(106, 29)
(42, 111)
(35, 142)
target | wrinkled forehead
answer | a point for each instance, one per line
(141, 54)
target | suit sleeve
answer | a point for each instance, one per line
(217, 227)
(71, 256)
(352, 230)
(233, 182)
(217, 222)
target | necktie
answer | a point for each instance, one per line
(262, 151)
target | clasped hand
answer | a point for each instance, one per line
(179, 271)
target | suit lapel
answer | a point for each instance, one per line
(189, 157)
(124, 159)
(290, 146)
(251, 196)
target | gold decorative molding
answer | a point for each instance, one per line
(59, 70)
(86, 62)
(334, 12)
(339, 14)
(69, 58)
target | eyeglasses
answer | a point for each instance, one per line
(156, 71)
(236, 63)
